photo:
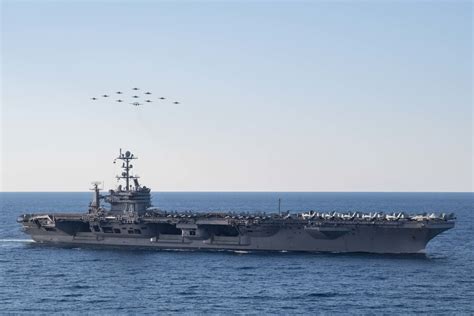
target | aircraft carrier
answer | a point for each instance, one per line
(131, 221)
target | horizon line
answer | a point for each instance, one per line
(242, 191)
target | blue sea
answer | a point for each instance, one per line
(35, 279)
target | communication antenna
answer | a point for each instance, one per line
(96, 200)
(95, 184)
(126, 157)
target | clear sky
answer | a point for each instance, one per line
(275, 95)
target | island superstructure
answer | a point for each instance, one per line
(131, 221)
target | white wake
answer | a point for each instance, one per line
(16, 240)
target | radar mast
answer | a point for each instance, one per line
(127, 157)
(95, 204)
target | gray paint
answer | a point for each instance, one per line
(131, 222)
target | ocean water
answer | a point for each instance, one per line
(42, 280)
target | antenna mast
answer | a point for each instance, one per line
(126, 166)
(96, 200)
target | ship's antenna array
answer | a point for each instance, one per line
(96, 200)
(135, 97)
(126, 158)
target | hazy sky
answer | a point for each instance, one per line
(276, 96)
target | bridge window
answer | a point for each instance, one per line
(192, 233)
(137, 231)
(117, 230)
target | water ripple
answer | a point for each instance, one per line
(39, 279)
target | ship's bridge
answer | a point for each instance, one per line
(129, 201)
(129, 198)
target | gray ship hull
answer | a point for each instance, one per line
(370, 238)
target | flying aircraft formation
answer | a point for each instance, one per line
(134, 97)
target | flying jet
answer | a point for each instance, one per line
(147, 92)
(119, 100)
(148, 101)
(176, 102)
(119, 92)
(94, 98)
(136, 96)
(105, 96)
(136, 89)
(162, 98)
(136, 103)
